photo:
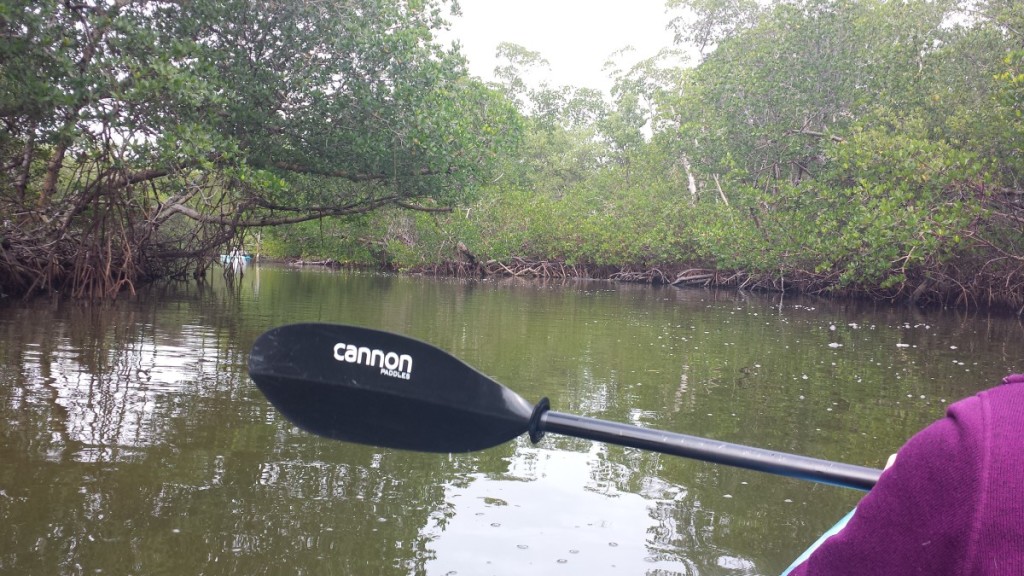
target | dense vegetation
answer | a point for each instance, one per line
(862, 146)
(139, 138)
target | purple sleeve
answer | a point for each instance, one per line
(917, 519)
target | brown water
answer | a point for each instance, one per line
(133, 442)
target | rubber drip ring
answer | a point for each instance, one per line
(535, 432)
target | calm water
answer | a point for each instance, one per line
(133, 442)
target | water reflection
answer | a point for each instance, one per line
(106, 393)
(582, 511)
(131, 440)
(557, 512)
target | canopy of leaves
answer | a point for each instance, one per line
(152, 130)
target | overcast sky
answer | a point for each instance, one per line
(575, 36)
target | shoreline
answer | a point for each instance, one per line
(926, 291)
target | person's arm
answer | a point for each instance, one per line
(918, 518)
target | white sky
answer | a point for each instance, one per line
(575, 36)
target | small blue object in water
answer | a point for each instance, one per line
(235, 258)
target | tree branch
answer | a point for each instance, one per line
(303, 215)
(352, 176)
(804, 132)
(408, 206)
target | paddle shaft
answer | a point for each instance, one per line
(781, 463)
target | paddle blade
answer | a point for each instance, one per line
(371, 387)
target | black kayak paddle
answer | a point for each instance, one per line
(373, 387)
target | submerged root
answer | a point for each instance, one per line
(89, 270)
(991, 288)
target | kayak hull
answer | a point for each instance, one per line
(828, 533)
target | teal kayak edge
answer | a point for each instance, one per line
(831, 531)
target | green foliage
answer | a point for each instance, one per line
(165, 129)
(1011, 83)
(869, 146)
(708, 22)
(889, 206)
